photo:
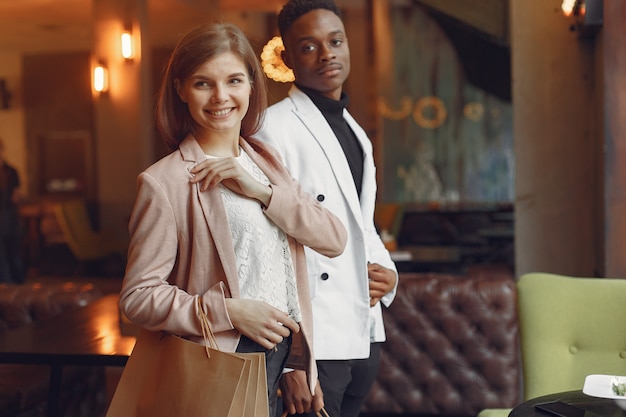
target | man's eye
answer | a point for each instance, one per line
(336, 42)
(309, 48)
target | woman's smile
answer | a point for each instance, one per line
(222, 112)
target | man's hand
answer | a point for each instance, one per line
(382, 280)
(296, 396)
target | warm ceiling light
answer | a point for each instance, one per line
(100, 79)
(273, 64)
(127, 45)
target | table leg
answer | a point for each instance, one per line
(54, 390)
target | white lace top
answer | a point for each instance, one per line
(264, 265)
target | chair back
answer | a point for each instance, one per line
(79, 234)
(569, 328)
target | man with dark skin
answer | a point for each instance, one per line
(330, 155)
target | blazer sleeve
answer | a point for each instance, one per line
(304, 219)
(378, 253)
(146, 297)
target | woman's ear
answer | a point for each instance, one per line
(179, 90)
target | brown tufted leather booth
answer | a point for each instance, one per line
(452, 346)
(24, 388)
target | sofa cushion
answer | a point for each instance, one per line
(452, 346)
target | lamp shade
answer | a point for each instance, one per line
(127, 45)
(100, 79)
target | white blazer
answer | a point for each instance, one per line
(344, 324)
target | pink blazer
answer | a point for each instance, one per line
(181, 248)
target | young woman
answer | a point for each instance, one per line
(237, 243)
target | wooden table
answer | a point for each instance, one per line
(593, 406)
(88, 336)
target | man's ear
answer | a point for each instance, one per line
(285, 57)
(178, 88)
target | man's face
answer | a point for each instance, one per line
(316, 49)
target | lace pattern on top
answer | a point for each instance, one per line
(264, 265)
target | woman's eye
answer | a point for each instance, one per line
(200, 84)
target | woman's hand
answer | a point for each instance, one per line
(260, 321)
(232, 175)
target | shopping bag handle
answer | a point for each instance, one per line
(321, 413)
(207, 333)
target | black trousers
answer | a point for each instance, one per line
(346, 383)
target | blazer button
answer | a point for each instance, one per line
(324, 276)
(320, 197)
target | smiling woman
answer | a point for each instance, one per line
(233, 242)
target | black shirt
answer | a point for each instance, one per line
(333, 113)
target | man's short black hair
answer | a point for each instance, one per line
(293, 9)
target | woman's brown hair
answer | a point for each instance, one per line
(199, 45)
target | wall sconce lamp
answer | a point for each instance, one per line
(588, 14)
(127, 45)
(272, 63)
(100, 78)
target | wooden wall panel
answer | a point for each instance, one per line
(57, 98)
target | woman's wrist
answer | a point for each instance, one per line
(265, 196)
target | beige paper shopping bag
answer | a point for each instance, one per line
(168, 376)
(256, 401)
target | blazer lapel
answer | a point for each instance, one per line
(314, 121)
(213, 213)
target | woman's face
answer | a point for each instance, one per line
(218, 93)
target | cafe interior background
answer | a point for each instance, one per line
(482, 106)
